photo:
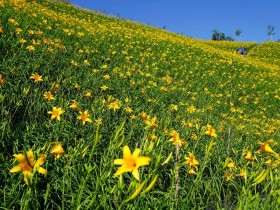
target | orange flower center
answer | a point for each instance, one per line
(26, 167)
(131, 163)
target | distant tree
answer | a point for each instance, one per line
(270, 32)
(229, 38)
(237, 33)
(219, 36)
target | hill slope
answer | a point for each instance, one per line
(122, 83)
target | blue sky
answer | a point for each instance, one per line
(198, 18)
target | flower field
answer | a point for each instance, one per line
(103, 113)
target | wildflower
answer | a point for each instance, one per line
(84, 116)
(75, 105)
(128, 109)
(192, 170)
(153, 137)
(13, 21)
(249, 155)
(55, 86)
(230, 163)
(107, 76)
(1, 30)
(174, 107)
(98, 121)
(194, 136)
(144, 115)
(126, 100)
(28, 165)
(1, 80)
(131, 162)
(211, 131)
(77, 86)
(191, 160)
(243, 173)
(264, 146)
(88, 94)
(228, 176)
(56, 112)
(151, 122)
(48, 96)
(36, 77)
(104, 87)
(30, 48)
(175, 138)
(18, 30)
(114, 105)
(191, 109)
(57, 150)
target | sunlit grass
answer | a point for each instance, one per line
(197, 124)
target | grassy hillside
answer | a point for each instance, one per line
(78, 88)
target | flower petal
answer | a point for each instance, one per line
(20, 157)
(136, 153)
(126, 152)
(119, 161)
(42, 171)
(16, 169)
(121, 170)
(142, 160)
(135, 173)
(40, 161)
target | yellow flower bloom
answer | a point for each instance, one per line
(88, 94)
(56, 112)
(264, 147)
(228, 176)
(151, 122)
(115, 105)
(174, 107)
(131, 162)
(30, 48)
(243, 173)
(1, 80)
(128, 109)
(75, 105)
(249, 155)
(230, 163)
(191, 160)
(36, 77)
(57, 150)
(104, 87)
(192, 170)
(84, 116)
(48, 96)
(211, 131)
(107, 76)
(175, 138)
(191, 109)
(28, 165)
(77, 86)
(194, 136)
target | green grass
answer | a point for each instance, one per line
(183, 84)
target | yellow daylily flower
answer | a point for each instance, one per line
(28, 165)
(211, 131)
(56, 112)
(191, 160)
(57, 150)
(36, 77)
(265, 147)
(131, 162)
(48, 96)
(84, 116)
